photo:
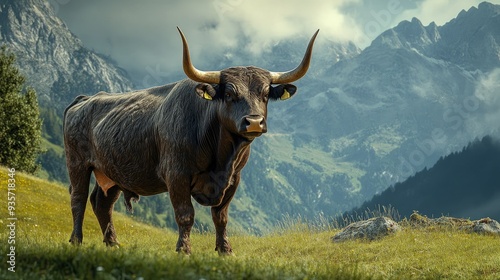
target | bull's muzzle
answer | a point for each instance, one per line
(254, 124)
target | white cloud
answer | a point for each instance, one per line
(487, 101)
(266, 22)
(141, 35)
(488, 91)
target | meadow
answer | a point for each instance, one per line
(293, 250)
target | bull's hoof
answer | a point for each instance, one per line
(112, 244)
(225, 252)
(75, 243)
(183, 251)
(75, 240)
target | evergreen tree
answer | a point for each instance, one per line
(20, 124)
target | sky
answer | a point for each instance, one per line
(141, 36)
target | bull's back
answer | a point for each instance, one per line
(115, 134)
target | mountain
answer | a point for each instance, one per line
(462, 184)
(54, 61)
(366, 122)
(362, 121)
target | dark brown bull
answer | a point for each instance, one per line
(189, 138)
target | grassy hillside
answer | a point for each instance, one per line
(296, 251)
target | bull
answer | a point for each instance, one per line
(190, 138)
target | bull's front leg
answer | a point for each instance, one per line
(184, 216)
(220, 218)
(222, 245)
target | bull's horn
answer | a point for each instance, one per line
(210, 77)
(297, 73)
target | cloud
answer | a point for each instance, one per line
(487, 101)
(266, 22)
(142, 36)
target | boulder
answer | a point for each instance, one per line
(370, 229)
(482, 226)
(419, 220)
(486, 226)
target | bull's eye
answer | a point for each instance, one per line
(228, 96)
(265, 93)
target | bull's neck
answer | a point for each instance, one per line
(220, 169)
(218, 147)
(228, 151)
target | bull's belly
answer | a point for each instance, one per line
(144, 186)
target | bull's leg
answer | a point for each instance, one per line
(184, 216)
(103, 209)
(220, 218)
(79, 178)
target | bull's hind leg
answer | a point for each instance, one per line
(103, 204)
(79, 178)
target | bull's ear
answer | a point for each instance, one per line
(282, 92)
(205, 91)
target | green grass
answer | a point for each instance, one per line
(292, 251)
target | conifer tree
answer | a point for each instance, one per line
(20, 123)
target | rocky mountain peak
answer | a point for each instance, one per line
(472, 39)
(409, 34)
(53, 60)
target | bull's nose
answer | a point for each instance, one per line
(253, 123)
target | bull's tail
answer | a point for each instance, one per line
(128, 197)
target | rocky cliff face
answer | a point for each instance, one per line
(53, 60)
(471, 40)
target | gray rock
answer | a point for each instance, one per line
(370, 229)
(420, 220)
(486, 226)
(481, 226)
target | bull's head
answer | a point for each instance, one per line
(243, 92)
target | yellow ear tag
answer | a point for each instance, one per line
(285, 95)
(207, 96)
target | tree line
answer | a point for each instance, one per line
(463, 184)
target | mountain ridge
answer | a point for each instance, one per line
(461, 184)
(362, 121)
(37, 36)
(464, 48)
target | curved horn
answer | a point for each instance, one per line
(210, 77)
(297, 73)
